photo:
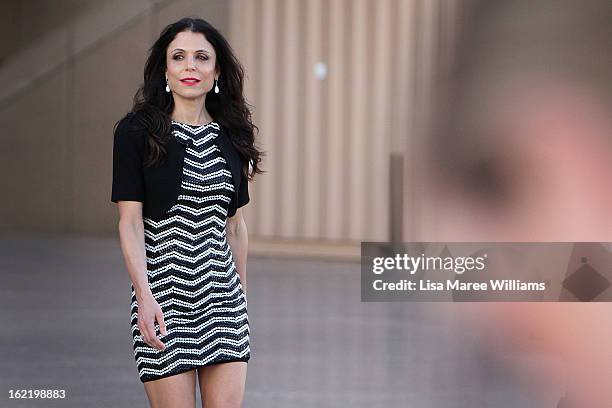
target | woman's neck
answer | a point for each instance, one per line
(192, 113)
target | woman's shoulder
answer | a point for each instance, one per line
(129, 123)
(227, 139)
(129, 130)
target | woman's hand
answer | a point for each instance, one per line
(149, 312)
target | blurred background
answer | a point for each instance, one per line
(341, 91)
(405, 120)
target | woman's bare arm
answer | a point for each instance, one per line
(131, 234)
(237, 237)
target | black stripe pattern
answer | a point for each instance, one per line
(191, 270)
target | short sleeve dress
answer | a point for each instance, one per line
(191, 270)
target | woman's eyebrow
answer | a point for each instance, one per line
(201, 50)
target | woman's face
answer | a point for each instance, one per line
(190, 55)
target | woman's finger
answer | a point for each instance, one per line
(143, 333)
(162, 324)
(146, 335)
(157, 343)
(153, 341)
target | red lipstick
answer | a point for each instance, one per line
(190, 81)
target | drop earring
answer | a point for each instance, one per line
(216, 86)
(167, 86)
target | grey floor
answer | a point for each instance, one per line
(64, 324)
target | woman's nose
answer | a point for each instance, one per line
(190, 63)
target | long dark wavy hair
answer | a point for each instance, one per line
(153, 106)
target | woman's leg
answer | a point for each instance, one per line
(222, 385)
(176, 391)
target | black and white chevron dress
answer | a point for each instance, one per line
(190, 268)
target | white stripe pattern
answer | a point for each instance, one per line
(190, 268)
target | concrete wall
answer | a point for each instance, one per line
(23, 23)
(344, 151)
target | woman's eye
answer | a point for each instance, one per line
(202, 57)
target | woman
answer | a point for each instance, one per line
(181, 161)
